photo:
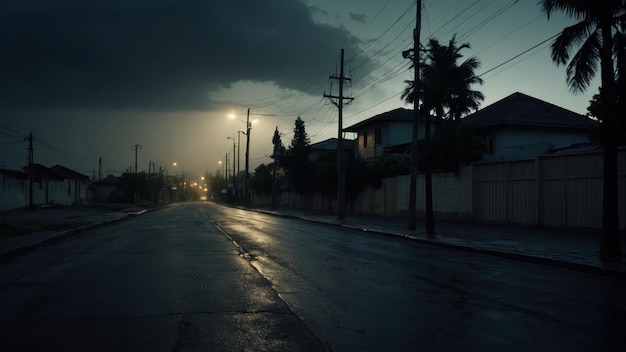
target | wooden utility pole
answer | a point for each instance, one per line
(412, 220)
(30, 149)
(245, 176)
(136, 147)
(100, 168)
(338, 100)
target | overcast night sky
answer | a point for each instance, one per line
(90, 78)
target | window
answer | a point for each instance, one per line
(364, 139)
(378, 136)
(490, 145)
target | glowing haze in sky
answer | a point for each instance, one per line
(90, 79)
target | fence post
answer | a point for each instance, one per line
(539, 191)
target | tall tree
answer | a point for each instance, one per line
(278, 154)
(279, 149)
(296, 160)
(444, 91)
(446, 86)
(598, 37)
(262, 180)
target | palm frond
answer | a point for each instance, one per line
(568, 40)
(584, 64)
(573, 8)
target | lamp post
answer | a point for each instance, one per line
(245, 176)
(247, 133)
(234, 171)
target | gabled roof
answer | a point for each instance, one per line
(14, 173)
(522, 110)
(331, 144)
(400, 114)
(56, 172)
(68, 173)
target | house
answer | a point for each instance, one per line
(520, 126)
(55, 185)
(105, 190)
(76, 185)
(13, 189)
(386, 133)
(330, 146)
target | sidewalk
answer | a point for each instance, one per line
(571, 249)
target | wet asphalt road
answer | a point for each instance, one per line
(198, 276)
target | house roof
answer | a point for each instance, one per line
(57, 172)
(14, 173)
(331, 144)
(519, 109)
(400, 114)
(68, 173)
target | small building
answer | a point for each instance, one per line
(13, 189)
(55, 185)
(386, 133)
(520, 126)
(105, 190)
(330, 146)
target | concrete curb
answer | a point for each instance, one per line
(61, 236)
(583, 268)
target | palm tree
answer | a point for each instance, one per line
(598, 36)
(445, 87)
(445, 91)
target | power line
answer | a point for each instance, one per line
(518, 55)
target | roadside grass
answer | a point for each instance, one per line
(9, 228)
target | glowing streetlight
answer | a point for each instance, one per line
(247, 133)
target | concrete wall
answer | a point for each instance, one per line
(557, 191)
(13, 192)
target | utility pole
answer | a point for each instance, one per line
(338, 100)
(245, 176)
(248, 128)
(275, 171)
(239, 132)
(136, 147)
(99, 168)
(30, 149)
(226, 172)
(234, 169)
(412, 220)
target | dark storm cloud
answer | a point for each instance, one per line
(152, 54)
(358, 17)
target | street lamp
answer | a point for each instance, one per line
(247, 133)
(234, 173)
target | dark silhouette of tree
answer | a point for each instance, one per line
(357, 177)
(133, 185)
(296, 161)
(445, 91)
(454, 145)
(594, 110)
(445, 87)
(278, 155)
(279, 149)
(262, 180)
(388, 166)
(598, 37)
(325, 176)
(325, 172)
